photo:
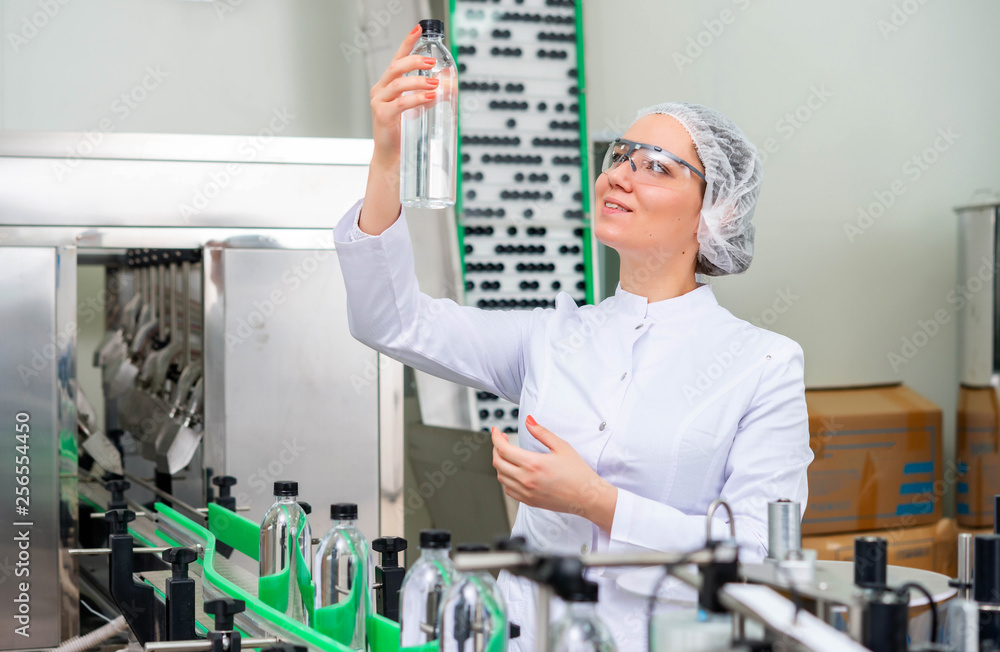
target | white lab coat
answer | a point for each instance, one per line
(675, 403)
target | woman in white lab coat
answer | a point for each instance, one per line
(638, 412)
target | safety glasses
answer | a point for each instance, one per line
(650, 164)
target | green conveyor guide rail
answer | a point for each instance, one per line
(242, 534)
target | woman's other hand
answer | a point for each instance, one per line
(560, 481)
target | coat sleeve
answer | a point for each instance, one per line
(767, 462)
(387, 311)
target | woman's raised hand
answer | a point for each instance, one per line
(382, 207)
(388, 99)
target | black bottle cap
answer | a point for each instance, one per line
(583, 591)
(432, 26)
(286, 488)
(435, 539)
(344, 512)
(870, 561)
(472, 547)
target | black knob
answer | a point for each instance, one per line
(119, 520)
(870, 562)
(224, 482)
(996, 514)
(515, 630)
(224, 609)
(517, 544)
(179, 558)
(306, 507)
(986, 580)
(389, 548)
(117, 489)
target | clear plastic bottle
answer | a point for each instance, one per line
(428, 133)
(285, 545)
(473, 610)
(423, 589)
(580, 630)
(342, 571)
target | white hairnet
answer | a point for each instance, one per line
(733, 173)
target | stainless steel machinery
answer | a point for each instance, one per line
(241, 361)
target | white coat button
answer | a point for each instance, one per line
(604, 424)
(583, 549)
(624, 374)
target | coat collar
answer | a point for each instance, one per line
(680, 307)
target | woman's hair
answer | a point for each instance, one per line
(733, 176)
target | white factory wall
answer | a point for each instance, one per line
(844, 95)
(176, 66)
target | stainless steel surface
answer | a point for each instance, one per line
(484, 561)
(203, 645)
(201, 510)
(64, 340)
(107, 551)
(391, 447)
(977, 305)
(286, 342)
(782, 618)
(543, 601)
(833, 582)
(965, 561)
(213, 321)
(784, 533)
(193, 512)
(714, 507)
(32, 377)
(52, 146)
(295, 396)
(180, 180)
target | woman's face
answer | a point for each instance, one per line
(659, 219)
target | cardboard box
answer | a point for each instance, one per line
(978, 456)
(878, 460)
(928, 547)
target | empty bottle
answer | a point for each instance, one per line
(423, 589)
(580, 630)
(473, 611)
(285, 544)
(428, 133)
(341, 571)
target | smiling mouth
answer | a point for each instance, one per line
(610, 205)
